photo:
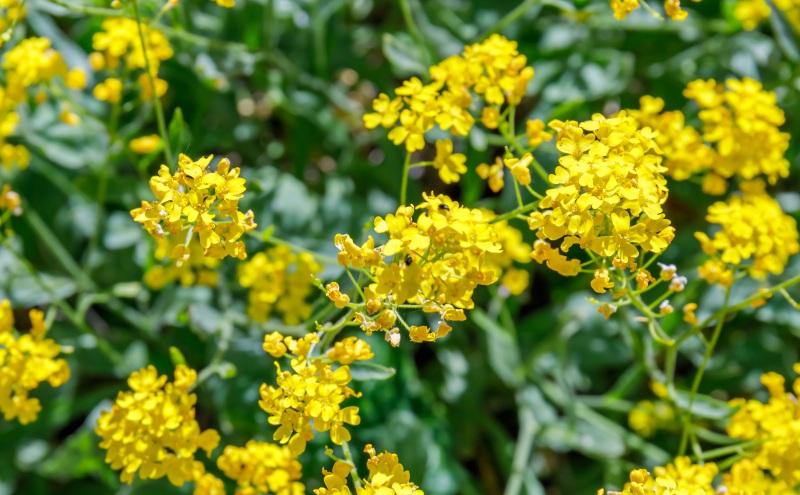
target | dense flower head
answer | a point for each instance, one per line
(685, 152)
(514, 249)
(672, 8)
(776, 423)
(279, 279)
(608, 194)
(119, 41)
(493, 70)
(26, 361)
(32, 62)
(192, 268)
(680, 478)
(386, 477)
(754, 234)
(436, 260)
(196, 197)
(310, 394)
(151, 429)
(262, 468)
(741, 120)
(350, 349)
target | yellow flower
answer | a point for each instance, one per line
(647, 416)
(333, 293)
(225, 3)
(151, 429)
(752, 228)
(688, 313)
(262, 467)
(421, 334)
(109, 90)
(312, 394)
(31, 62)
(185, 264)
(608, 191)
(193, 197)
(451, 166)
(520, 168)
(145, 144)
(492, 70)
(776, 424)
(350, 349)
(10, 200)
(68, 117)
(26, 361)
(75, 79)
(623, 7)
(681, 477)
(534, 129)
(279, 279)
(352, 255)
(492, 173)
(120, 39)
(601, 281)
(97, 60)
(515, 280)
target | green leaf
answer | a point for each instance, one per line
(504, 357)
(179, 134)
(370, 371)
(704, 406)
(404, 55)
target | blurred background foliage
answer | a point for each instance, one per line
(539, 385)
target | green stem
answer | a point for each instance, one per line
(513, 213)
(516, 191)
(698, 377)
(404, 183)
(732, 449)
(408, 17)
(349, 457)
(294, 247)
(522, 450)
(510, 18)
(355, 284)
(318, 32)
(162, 125)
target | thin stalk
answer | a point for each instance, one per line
(404, 183)
(349, 457)
(522, 451)
(698, 377)
(513, 213)
(162, 125)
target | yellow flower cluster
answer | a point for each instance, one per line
(350, 349)
(25, 362)
(609, 194)
(279, 279)
(672, 7)
(752, 12)
(152, 429)
(192, 268)
(494, 70)
(776, 423)
(119, 42)
(685, 152)
(312, 393)
(28, 64)
(437, 261)
(386, 477)
(752, 228)
(648, 416)
(261, 467)
(514, 248)
(683, 478)
(741, 120)
(188, 203)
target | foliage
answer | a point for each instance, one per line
(542, 245)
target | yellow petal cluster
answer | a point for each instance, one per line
(746, 478)
(754, 233)
(10, 200)
(672, 8)
(685, 152)
(151, 429)
(197, 198)
(26, 360)
(680, 478)
(312, 393)
(192, 268)
(119, 42)
(741, 121)
(609, 191)
(386, 477)
(32, 62)
(277, 345)
(278, 279)
(350, 349)
(261, 467)
(776, 423)
(514, 249)
(9, 11)
(752, 12)
(493, 70)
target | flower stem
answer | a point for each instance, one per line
(404, 183)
